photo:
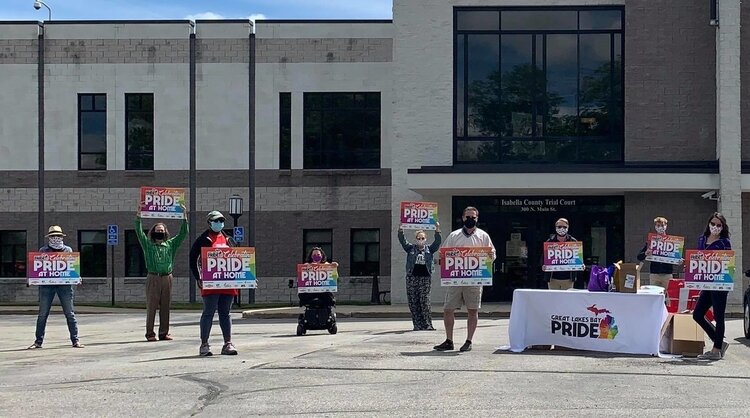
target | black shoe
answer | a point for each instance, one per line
(466, 346)
(447, 345)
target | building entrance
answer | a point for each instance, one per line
(519, 225)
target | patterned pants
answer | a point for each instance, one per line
(418, 294)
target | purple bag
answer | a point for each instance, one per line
(599, 279)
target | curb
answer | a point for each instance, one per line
(366, 315)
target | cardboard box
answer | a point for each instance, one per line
(628, 277)
(682, 335)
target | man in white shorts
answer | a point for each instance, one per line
(470, 296)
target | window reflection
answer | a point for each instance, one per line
(540, 91)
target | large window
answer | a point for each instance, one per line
(365, 252)
(538, 85)
(12, 253)
(135, 265)
(92, 131)
(322, 238)
(285, 131)
(139, 131)
(93, 248)
(341, 130)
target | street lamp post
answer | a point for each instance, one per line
(235, 211)
(38, 5)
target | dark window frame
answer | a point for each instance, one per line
(129, 166)
(94, 109)
(347, 159)
(285, 131)
(133, 249)
(307, 245)
(12, 265)
(364, 267)
(613, 103)
(86, 265)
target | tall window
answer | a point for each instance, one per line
(539, 85)
(285, 131)
(92, 131)
(93, 248)
(12, 253)
(135, 265)
(139, 131)
(322, 238)
(342, 130)
(365, 252)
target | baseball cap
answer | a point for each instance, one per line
(214, 215)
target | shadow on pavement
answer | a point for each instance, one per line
(571, 353)
(743, 341)
(431, 353)
(120, 343)
(171, 358)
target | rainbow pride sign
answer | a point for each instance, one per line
(419, 215)
(54, 268)
(317, 278)
(709, 269)
(466, 266)
(162, 203)
(666, 248)
(228, 268)
(563, 256)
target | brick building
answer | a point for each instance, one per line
(608, 113)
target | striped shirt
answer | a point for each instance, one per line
(159, 257)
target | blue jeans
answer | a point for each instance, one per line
(210, 304)
(47, 294)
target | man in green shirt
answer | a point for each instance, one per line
(158, 252)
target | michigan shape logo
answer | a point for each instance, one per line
(607, 326)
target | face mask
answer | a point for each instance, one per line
(56, 242)
(562, 231)
(217, 226)
(421, 241)
(470, 223)
(317, 258)
(661, 229)
(158, 235)
(715, 230)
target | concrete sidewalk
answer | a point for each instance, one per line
(488, 310)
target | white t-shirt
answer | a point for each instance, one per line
(478, 238)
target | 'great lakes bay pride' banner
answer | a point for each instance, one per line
(228, 268)
(666, 248)
(317, 278)
(54, 268)
(466, 266)
(709, 269)
(162, 202)
(563, 256)
(419, 215)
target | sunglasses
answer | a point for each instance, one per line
(713, 224)
(218, 220)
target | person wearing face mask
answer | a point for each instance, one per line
(560, 280)
(470, 296)
(715, 237)
(159, 251)
(419, 276)
(213, 299)
(659, 273)
(64, 293)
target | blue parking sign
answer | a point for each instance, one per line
(113, 234)
(239, 234)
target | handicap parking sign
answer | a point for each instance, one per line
(239, 234)
(113, 234)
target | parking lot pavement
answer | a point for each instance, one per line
(370, 368)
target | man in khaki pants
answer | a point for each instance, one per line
(660, 273)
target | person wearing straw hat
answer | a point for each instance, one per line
(64, 292)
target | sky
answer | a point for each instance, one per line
(197, 9)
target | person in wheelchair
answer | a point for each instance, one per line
(319, 307)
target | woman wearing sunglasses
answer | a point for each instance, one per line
(715, 237)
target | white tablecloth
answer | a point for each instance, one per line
(619, 322)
